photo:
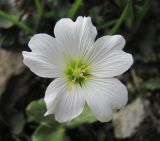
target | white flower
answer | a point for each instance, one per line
(84, 69)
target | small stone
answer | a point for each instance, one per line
(128, 119)
(10, 64)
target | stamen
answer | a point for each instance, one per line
(77, 71)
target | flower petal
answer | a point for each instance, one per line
(40, 65)
(53, 92)
(103, 95)
(76, 36)
(49, 47)
(65, 104)
(70, 105)
(104, 46)
(98, 102)
(112, 64)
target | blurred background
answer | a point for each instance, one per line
(21, 92)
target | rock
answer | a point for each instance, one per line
(10, 64)
(128, 119)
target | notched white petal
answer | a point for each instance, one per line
(41, 42)
(76, 36)
(53, 92)
(70, 105)
(104, 94)
(49, 47)
(113, 64)
(97, 100)
(40, 65)
(115, 42)
(114, 90)
(65, 104)
(105, 45)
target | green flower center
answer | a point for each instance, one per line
(77, 71)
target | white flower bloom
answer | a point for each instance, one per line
(84, 69)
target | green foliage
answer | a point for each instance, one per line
(49, 129)
(74, 8)
(108, 24)
(153, 84)
(120, 20)
(16, 122)
(5, 23)
(130, 20)
(85, 117)
(44, 133)
(15, 21)
(142, 12)
(36, 111)
(39, 6)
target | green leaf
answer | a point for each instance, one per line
(131, 15)
(39, 6)
(153, 84)
(44, 133)
(120, 20)
(36, 110)
(74, 8)
(107, 24)
(142, 12)
(15, 21)
(16, 122)
(85, 117)
(10, 8)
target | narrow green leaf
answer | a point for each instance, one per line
(74, 8)
(105, 25)
(131, 16)
(44, 133)
(142, 13)
(120, 20)
(39, 6)
(85, 117)
(15, 21)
